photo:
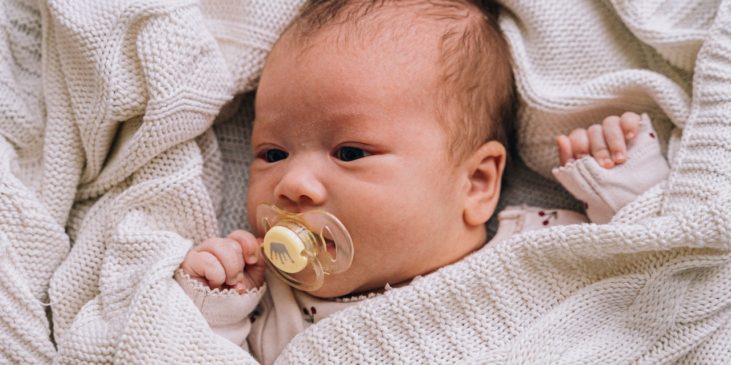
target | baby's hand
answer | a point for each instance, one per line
(606, 142)
(233, 262)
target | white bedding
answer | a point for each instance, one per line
(109, 171)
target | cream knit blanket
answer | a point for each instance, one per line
(109, 171)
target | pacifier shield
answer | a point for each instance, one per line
(297, 245)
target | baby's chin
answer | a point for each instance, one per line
(332, 289)
(339, 286)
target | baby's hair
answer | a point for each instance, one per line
(476, 96)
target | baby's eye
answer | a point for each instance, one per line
(350, 153)
(273, 155)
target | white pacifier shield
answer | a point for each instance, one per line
(285, 250)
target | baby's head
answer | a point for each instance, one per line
(392, 115)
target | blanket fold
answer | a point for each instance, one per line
(110, 171)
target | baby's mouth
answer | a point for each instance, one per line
(330, 246)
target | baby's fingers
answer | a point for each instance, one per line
(599, 146)
(630, 123)
(564, 149)
(204, 266)
(255, 264)
(579, 143)
(228, 253)
(615, 139)
(249, 245)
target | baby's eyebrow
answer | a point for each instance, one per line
(361, 123)
(349, 117)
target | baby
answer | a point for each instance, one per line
(394, 117)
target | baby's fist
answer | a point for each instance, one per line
(233, 262)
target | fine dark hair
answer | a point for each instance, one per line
(476, 98)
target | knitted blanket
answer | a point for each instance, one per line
(110, 171)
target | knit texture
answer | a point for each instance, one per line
(110, 171)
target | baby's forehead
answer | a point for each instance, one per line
(401, 24)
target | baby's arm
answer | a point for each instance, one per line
(607, 166)
(224, 278)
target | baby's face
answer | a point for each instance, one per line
(353, 130)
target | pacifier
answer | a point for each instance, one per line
(304, 247)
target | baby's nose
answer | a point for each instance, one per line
(300, 187)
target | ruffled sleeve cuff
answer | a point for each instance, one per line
(605, 191)
(220, 307)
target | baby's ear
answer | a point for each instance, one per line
(485, 170)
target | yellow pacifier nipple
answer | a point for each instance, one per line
(303, 248)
